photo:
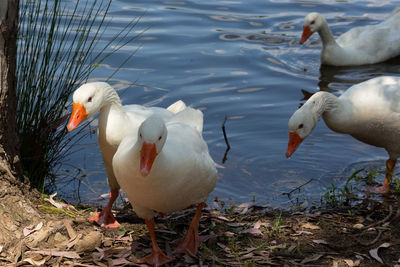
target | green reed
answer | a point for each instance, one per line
(60, 44)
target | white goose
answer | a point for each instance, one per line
(361, 45)
(115, 121)
(369, 111)
(166, 167)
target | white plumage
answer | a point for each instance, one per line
(181, 172)
(115, 121)
(368, 111)
(358, 46)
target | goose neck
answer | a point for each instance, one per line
(326, 35)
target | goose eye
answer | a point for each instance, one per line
(159, 138)
(89, 99)
(301, 126)
(312, 22)
(140, 135)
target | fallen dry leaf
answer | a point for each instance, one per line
(124, 238)
(242, 208)
(120, 261)
(70, 230)
(302, 232)
(256, 228)
(247, 256)
(74, 263)
(321, 242)
(59, 205)
(65, 254)
(73, 241)
(374, 252)
(311, 259)
(310, 226)
(292, 248)
(229, 234)
(35, 262)
(247, 250)
(99, 255)
(223, 218)
(235, 224)
(124, 253)
(253, 231)
(352, 263)
(32, 240)
(28, 231)
(258, 224)
(279, 246)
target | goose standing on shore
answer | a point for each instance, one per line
(359, 46)
(115, 121)
(166, 167)
(368, 111)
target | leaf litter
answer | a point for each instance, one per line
(244, 235)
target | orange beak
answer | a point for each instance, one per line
(294, 142)
(306, 34)
(77, 116)
(147, 156)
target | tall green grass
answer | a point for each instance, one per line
(60, 44)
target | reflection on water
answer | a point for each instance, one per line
(341, 78)
(242, 60)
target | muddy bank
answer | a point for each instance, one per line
(368, 234)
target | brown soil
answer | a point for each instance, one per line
(242, 235)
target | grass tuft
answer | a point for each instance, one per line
(60, 43)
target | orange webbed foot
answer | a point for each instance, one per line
(384, 189)
(156, 258)
(189, 244)
(105, 219)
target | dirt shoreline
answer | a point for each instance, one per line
(367, 234)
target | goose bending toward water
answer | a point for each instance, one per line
(115, 121)
(369, 111)
(166, 167)
(359, 46)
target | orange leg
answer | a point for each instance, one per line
(385, 188)
(105, 218)
(157, 257)
(191, 240)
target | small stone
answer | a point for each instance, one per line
(58, 237)
(358, 226)
(89, 242)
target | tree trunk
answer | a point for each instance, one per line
(8, 52)
(16, 208)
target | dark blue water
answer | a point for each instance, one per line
(240, 59)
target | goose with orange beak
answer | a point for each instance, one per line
(359, 46)
(166, 167)
(368, 111)
(115, 121)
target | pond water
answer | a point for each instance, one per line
(243, 60)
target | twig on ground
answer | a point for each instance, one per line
(373, 241)
(381, 221)
(297, 188)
